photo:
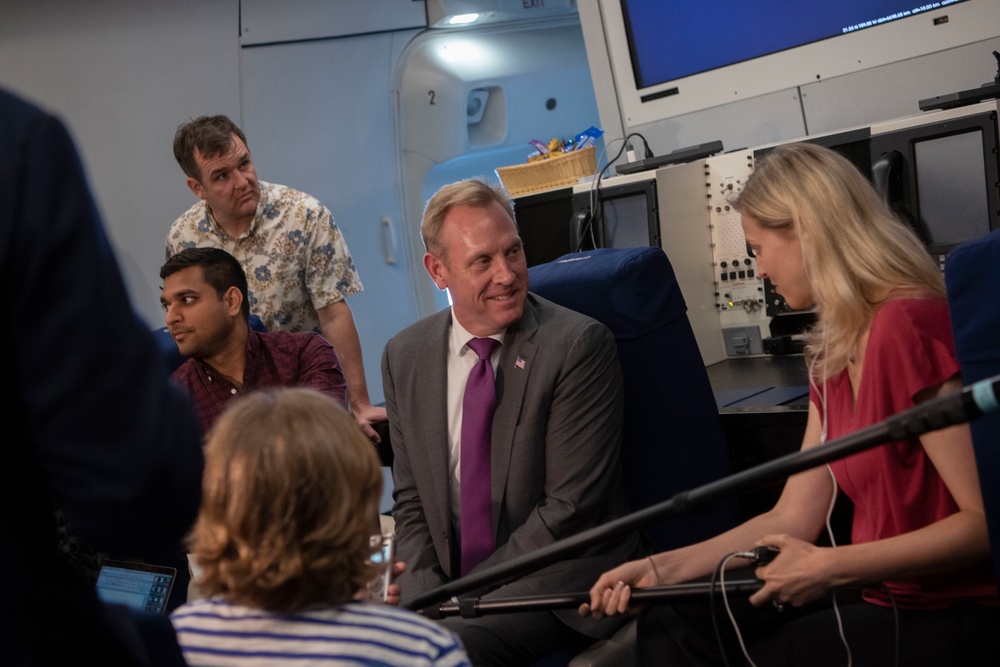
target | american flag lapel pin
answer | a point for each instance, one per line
(519, 363)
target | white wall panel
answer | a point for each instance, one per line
(541, 89)
(123, 74)
(268, 21)
(752, 122)
(894, 91)
(319, 117)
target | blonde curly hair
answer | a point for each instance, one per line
(289, 503)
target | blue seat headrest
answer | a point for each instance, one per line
(624, 288)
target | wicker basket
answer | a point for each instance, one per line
(561, 169)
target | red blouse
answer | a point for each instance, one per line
(895, 487)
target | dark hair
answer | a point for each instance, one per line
(221, 270)
(211, 135)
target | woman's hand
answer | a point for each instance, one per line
(796, 576)
(393, 595)
(610, 595)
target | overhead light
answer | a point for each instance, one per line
(462, 19)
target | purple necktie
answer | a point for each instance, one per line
(477, 422)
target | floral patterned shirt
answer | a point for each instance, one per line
(293, 253)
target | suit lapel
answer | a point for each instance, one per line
(434, 413)
(516, 357)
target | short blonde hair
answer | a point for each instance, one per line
(856, 253)
(289, 503)
(475, 192)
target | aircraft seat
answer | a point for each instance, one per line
(975, 321)
(673, 437)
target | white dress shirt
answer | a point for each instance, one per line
(461, 360)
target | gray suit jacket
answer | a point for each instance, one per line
(555, 468)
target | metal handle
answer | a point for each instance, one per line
(388, 240)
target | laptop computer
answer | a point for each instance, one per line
(137, 585)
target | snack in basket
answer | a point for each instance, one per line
(587, 138)
(555, 170)
(556, 163)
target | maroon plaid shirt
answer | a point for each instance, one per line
(274, 359)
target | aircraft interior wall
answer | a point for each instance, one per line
(364, 109)
(471, 100)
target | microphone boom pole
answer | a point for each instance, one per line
(476, 607)
(956, 408)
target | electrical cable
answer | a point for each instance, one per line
(829, 526)
(757, 555)
(729, 611)
(833, 495)
(833, 543)
(594, 186)
(895, 622)
(711, 611)
(596, 204)
(833, 539)
(647, 152)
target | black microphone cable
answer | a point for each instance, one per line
(895, 624)
(596, 204)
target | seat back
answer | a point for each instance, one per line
(975, 321)
(673, 436)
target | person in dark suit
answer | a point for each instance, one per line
(555, 435)
(91, 425)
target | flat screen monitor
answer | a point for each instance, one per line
(623, 215)
(671, 58)
(942, 177)
(951, 188)
(543, 219)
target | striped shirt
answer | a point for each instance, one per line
(214, 632)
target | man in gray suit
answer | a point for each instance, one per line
(555, 436)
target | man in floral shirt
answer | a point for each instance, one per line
(296, 260)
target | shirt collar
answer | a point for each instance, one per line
(262, 203)
(460, 337)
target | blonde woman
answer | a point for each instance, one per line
(290, 498)
(882, 343)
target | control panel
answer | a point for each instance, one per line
(740, 297)
(702, 235)
(738, 286)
